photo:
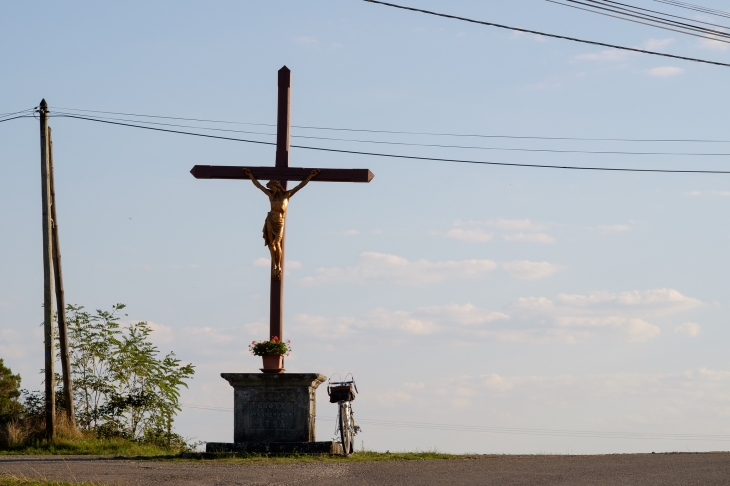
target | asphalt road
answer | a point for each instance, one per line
(705, 469)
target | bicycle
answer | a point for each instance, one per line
(343, 393)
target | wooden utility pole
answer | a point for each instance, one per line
(68, 399)
(47, 273)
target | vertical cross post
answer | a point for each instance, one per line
(50, 399)
(276, 311)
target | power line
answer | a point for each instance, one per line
(169, 117)
(696, 8)
(164, 129)
(16, 117)
(16, 112)
(429, 145)
(603, 44)
(545, 432)
(407, 157)
(622, 13)
(661, 13)
(58, 113)
(401, 132)
(514, 430)
(652, 24)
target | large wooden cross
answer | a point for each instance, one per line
(283, 173)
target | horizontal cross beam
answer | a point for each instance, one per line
(281, 173)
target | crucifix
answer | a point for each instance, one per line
(278, 176)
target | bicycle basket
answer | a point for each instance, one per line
(341, 394)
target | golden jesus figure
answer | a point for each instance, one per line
(274, 224)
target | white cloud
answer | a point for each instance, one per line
(522, 230)
(16, 345)
(382, 267)
(161, 333)
(605, 55)
(568, 319)
(655, 302)
(693, 403)
(665, 71)
(620, 55)
(465, 315)
(503, 224)
(721, 193)
(692, 193)
(526, 270)
(511, 224)
(690, 390)
(533, 37)
(465, 321)
(611, 228)
(473, 235)
(632, 330)
(656, 44)
(288, 264)
(691, 329)
(575, 317)
(713, 45)
(351, 232)
(530, 238)
(262, 262)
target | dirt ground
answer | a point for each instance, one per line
(704, 469)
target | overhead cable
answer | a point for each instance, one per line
(637, 12)
(16, 112)
(696, 8)
(16, 117)
(679, 27)
(659, 13)
(428, 145)
(401, 132)
(407, 157)
(514, 430)
(555, 36)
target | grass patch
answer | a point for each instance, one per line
(89, 446)
(361, 456)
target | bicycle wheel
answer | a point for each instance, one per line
(353, 431)
(345, 433)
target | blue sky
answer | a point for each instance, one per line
(457, 294)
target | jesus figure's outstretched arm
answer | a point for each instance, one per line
(311, 176)
(256, 182)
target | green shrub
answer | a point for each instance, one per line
(10, 408)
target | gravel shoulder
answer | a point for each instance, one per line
(706, 469)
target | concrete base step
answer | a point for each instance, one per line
(326, 447)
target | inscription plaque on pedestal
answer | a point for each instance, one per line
(271, 415)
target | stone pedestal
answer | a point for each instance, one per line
(273, 412)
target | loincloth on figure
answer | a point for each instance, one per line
(273, 229)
